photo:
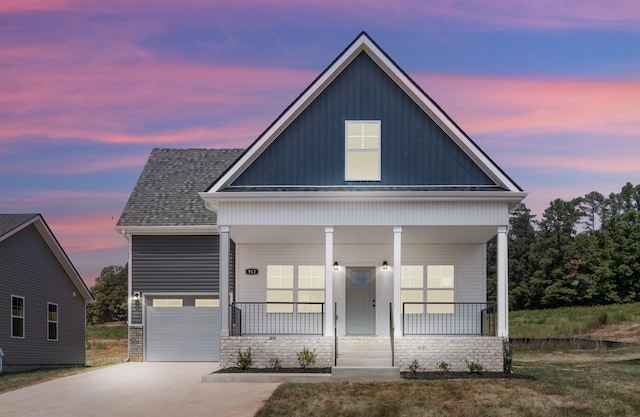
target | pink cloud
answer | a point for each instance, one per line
(472, 15)
(492, 105)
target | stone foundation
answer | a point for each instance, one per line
(285, 348)
(429, 351)
(136, 343)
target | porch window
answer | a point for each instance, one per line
(412, 288)
(362, 160)
(310, 288)
(280, 288)
(440, 287)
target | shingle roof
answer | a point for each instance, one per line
(166, 193)
(8, 222)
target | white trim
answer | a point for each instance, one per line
(502, 290)
(57, 321)
(167, 230)
(347, 150)
(23, 317)
(328, 284)
(364, 44)
(397, 280)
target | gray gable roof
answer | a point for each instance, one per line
(9, 222)
(166, 193)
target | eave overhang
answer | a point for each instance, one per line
(212, 200)
(128, 231)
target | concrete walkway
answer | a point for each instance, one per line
(137, 389)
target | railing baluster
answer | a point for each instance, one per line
(468, 318)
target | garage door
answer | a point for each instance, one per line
(182, 328)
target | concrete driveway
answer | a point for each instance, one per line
(137, 389)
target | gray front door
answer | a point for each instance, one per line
(361, 301)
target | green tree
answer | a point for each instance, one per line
(110, 293)
(553, 283)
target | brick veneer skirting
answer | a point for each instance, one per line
(136, 343)
(429, 351)
(285, 348)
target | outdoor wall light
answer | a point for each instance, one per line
(385, 265)
(335, 266)
(136, 300)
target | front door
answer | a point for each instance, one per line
(361, 301)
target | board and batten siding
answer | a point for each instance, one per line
(338, 213)
(178, 265)
(30, 270)
(414, 149)
(468, 260)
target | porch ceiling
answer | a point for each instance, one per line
(358, 235)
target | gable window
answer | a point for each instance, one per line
(310, 288)
(362, 160)
(280, 288)
(52, 321)
(17, 316)
(440, 284)
(412, 288)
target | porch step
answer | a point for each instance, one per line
(364, 352)
(364, 373)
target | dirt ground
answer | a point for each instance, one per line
(103, 352)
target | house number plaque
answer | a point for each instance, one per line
(251, 271)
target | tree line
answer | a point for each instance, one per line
(585, 251)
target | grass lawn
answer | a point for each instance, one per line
(584, 383)
(599, 382)
(106, 345)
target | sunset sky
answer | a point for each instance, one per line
(550, 90)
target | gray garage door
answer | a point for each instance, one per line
(182, 328)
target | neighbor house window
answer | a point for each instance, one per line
(280, 288)
(362, 161)
(17, 316)
(412, 288)
(440, 284)
(310, 288)
(52, 321)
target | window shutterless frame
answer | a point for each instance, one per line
(17, 317)
(52, 322)
(362, 150)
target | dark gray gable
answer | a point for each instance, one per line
(415, 151)
(166, 193)
(9, 222)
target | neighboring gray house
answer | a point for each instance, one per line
(42, 297)
(356, 225)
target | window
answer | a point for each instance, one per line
(17, 316)
(440, 283)
(167, 302)
(362, 161)
(207, 302)
(310, 288)
(280, 288)
(412, 288)
(52, 321)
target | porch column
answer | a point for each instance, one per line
(397, 276)
(502, 285)
(328, 282)
(224, 280)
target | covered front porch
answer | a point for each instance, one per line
(362, 280)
